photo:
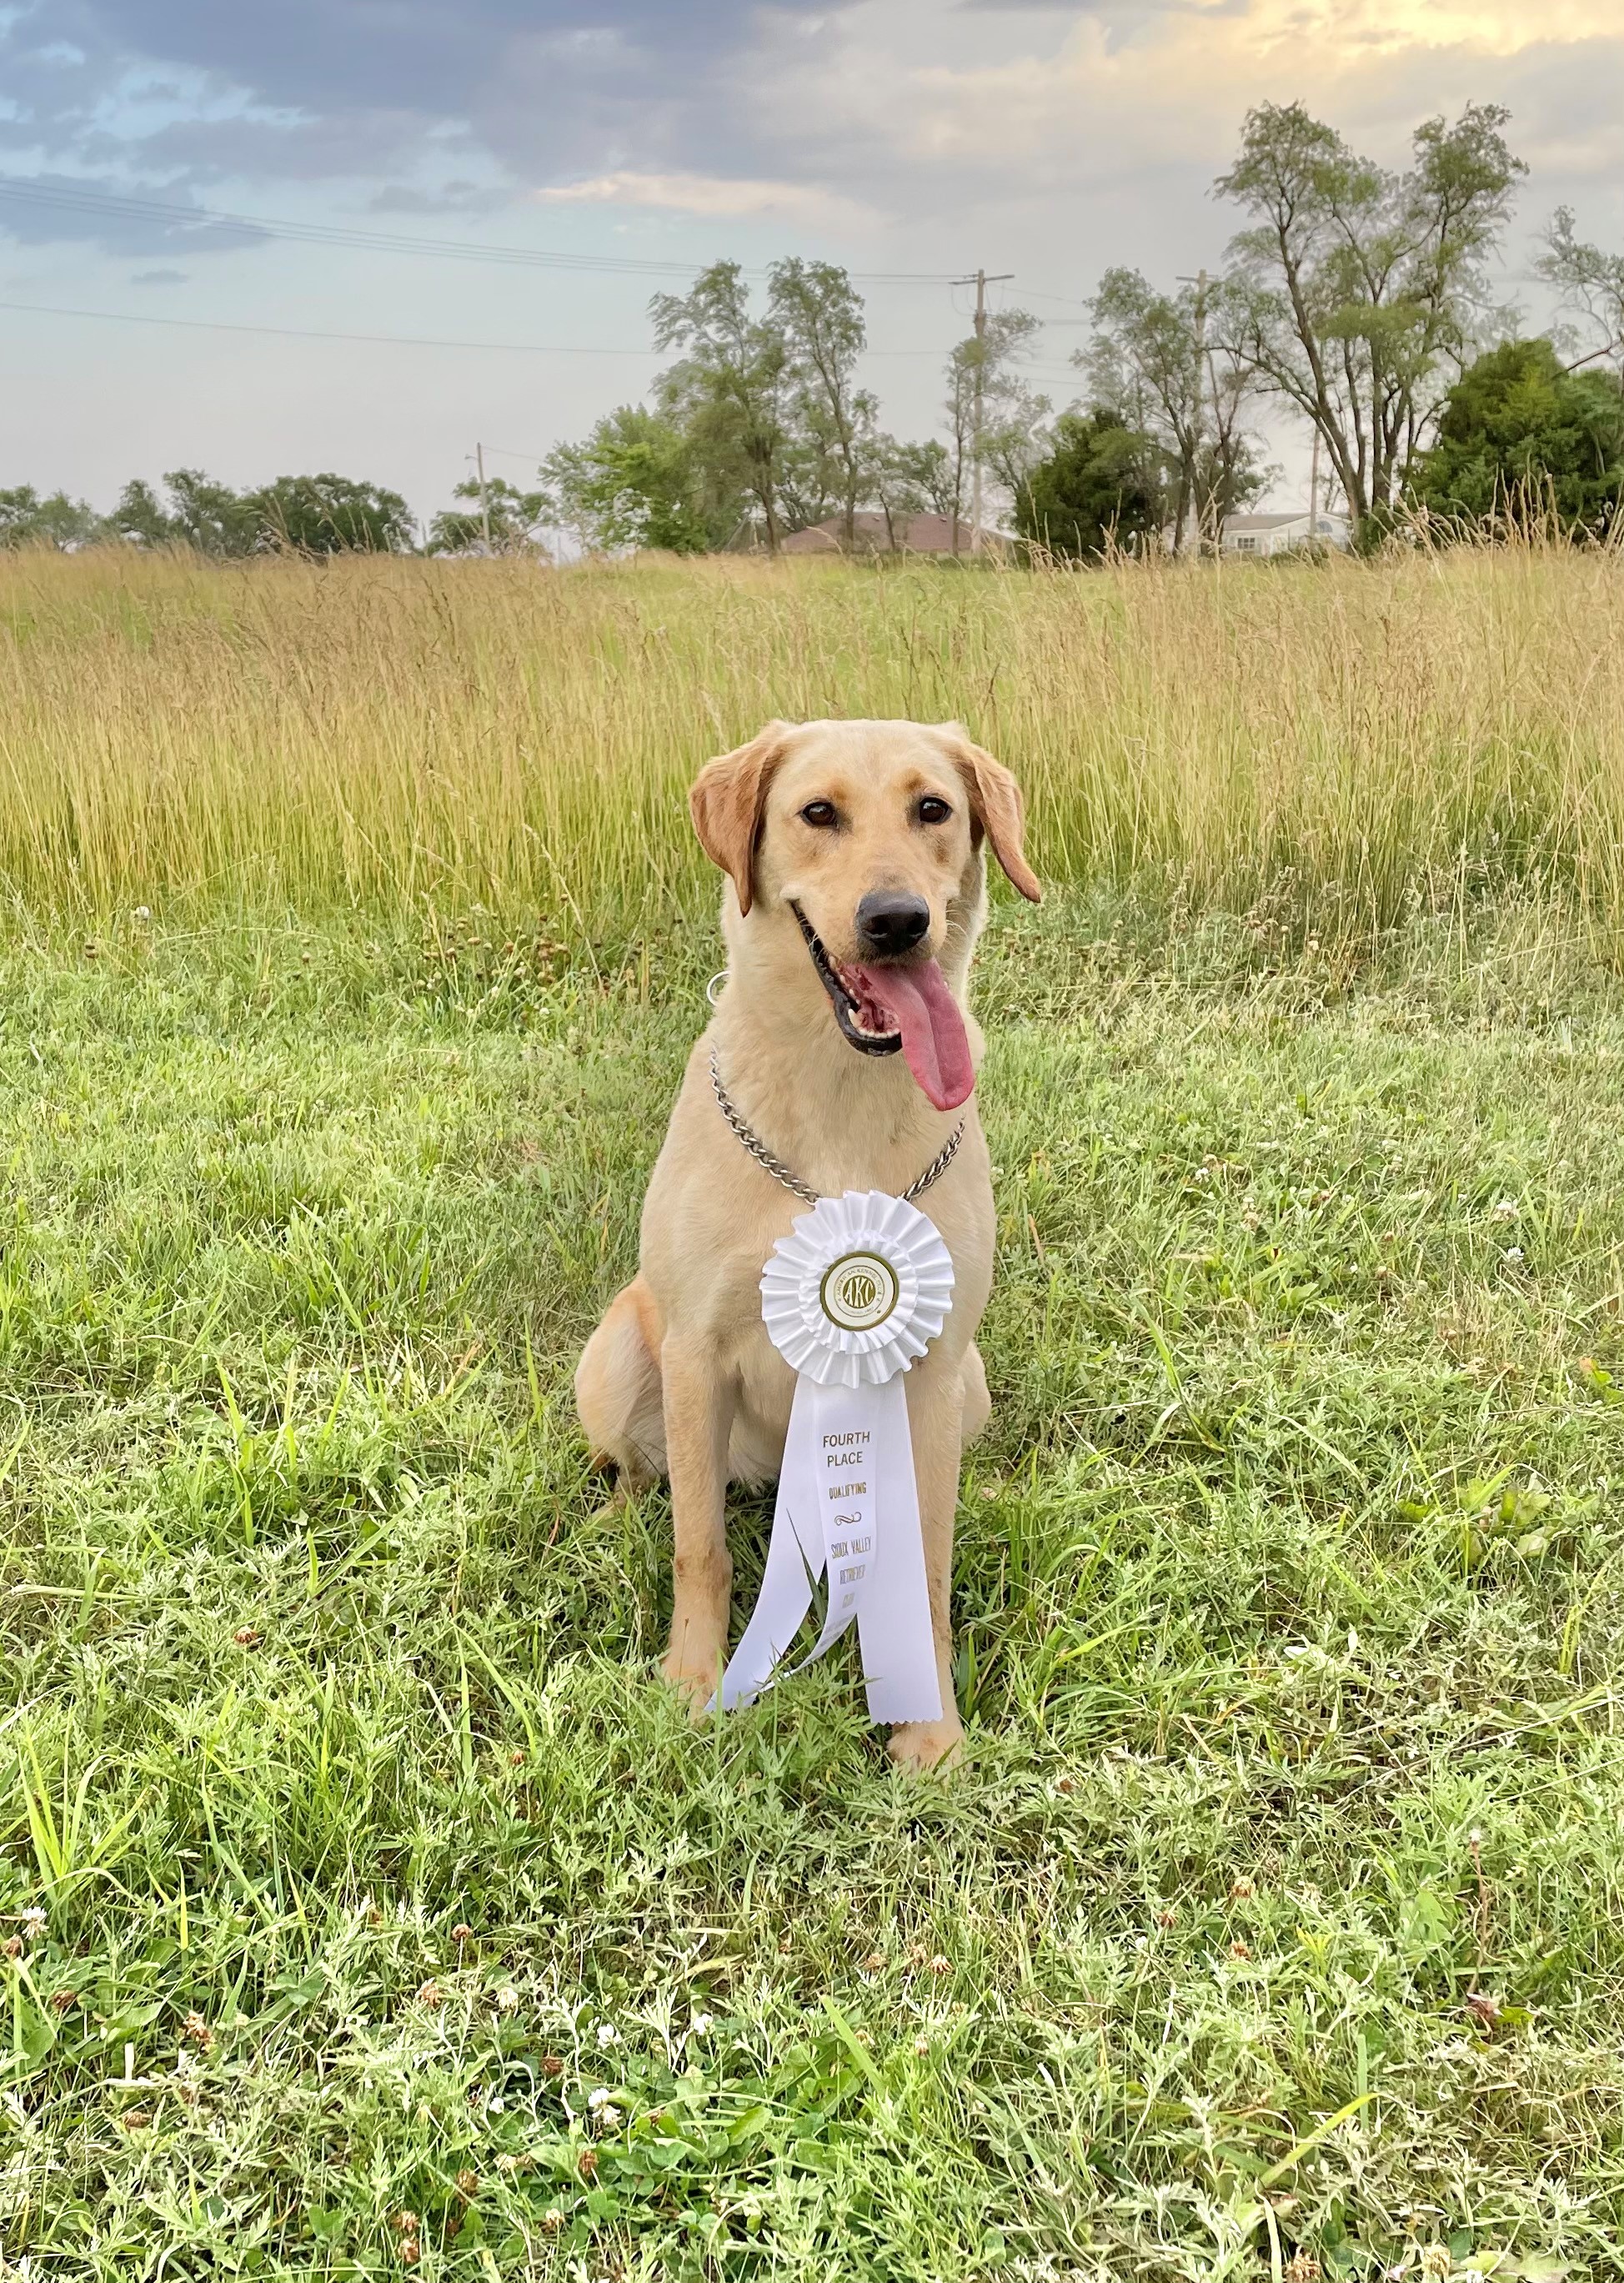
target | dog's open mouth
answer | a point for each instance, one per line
(888, 1009)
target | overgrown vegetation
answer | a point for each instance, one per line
(1352, 741)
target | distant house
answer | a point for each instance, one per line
(873, 534)
(1276, 534)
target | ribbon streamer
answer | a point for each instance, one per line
(852, 1298)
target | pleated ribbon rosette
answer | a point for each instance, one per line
(851, 1298)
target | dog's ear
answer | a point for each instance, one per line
(728, 799)
(996, 807)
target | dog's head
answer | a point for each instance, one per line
(867, 838)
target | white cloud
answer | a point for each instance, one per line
(715, 195)
(1124, 86)
(1497, 27)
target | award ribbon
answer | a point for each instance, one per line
(851, 1298)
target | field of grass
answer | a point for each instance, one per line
(1337, 745)
(365, 1907)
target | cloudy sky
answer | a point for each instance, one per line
(388, 167)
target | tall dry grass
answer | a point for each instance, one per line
(1345, 739)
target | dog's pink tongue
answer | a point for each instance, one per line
(918, 1003)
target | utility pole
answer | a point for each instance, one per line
(981, 281)
(484, 504)
(1203, 508)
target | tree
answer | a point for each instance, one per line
(982, 374)
(1158, 362)
(515, 518)
(907, 480)
(810, 489)
(1521, 435)
(1098, 486)
(201, 513)
(730, 392)
(1230, 474)
(1591, 282)
(635, 482)
(331, 515)
(27, 520)
(1230, 471)
(212, 516)
(140, 517)
(1359, 289)
(819, 313)
(1015, 440)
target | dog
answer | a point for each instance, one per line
(856, 860)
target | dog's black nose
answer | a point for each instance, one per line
(889, 924)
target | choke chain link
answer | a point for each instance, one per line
(780, 1172)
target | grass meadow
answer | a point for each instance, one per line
(366, 1909)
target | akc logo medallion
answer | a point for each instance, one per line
(859, 1291)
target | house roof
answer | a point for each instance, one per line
(1276, 522)
(1264, 522)
(915, 534)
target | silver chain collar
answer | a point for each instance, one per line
(780, 1172)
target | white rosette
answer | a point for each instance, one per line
(802, 1301)
(851, 1298)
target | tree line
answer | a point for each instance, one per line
(1356, 297)
(307, 515)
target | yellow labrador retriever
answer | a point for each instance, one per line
(840, 1044)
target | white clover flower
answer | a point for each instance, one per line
(699, 2025)
(1513, 1253)
(1506, 1209)
(607, 2036)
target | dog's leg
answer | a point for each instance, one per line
(935, 1410)
(699, 1408)
(977, 1402)
(617, 1389)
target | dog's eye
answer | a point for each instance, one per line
(934, 811)
(820, 815)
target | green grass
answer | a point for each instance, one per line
(1278, 1912)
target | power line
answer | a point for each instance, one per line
(85, 199)
(117, 204)
(507, 452)
(203, 220)
(388, 340)
(309, 333)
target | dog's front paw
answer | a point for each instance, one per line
(694, 1672)
(927, 1744)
